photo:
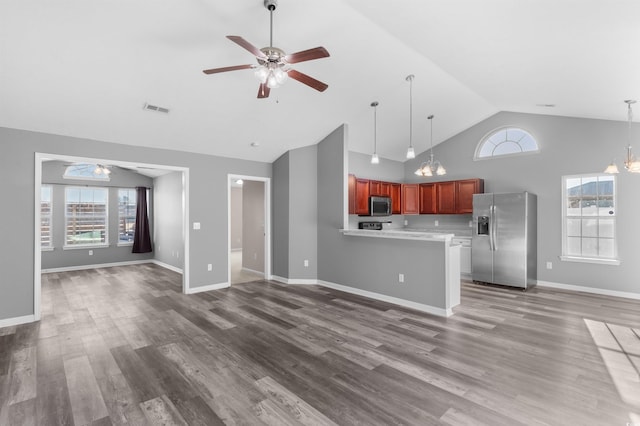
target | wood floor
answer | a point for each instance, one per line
(122, 346)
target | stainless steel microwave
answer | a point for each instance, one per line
(379, 206)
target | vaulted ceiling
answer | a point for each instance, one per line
(86, 69)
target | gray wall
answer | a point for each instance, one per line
(168, 218)
(236, 218)
(568, 146)
(387, 170)
(370, 264)
(295, 214)
(52, 174)
(280, 217)
(303, 213)
(209, 182)
(253, 225)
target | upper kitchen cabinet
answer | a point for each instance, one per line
(362, 196)
(410, 198)
(428, 198)
(464, 191)
(352, 194)
(396, 198)
(446, 197)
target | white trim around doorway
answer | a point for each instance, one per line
(267, 221)
(37, 263)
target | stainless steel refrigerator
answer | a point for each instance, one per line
(504, 244)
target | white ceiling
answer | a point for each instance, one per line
(86, 69)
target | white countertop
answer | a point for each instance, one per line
(399, 234)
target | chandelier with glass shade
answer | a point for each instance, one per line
(431, 166)
(630, 163)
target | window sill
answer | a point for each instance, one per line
(125, 244)
(88, 246)
(612, 262)
(46, 248)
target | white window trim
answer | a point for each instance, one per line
(614, 261)
(50, 246)
(128, 243)
(106, 228)
(476, 154)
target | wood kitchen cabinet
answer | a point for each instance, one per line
(362, 196)
(385, 189)
(446, 197)
(352, 194)
(428, 198)
(396, 198)
(410, 198)
(464, 192)
(375, 187)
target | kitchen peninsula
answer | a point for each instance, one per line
(420, 270)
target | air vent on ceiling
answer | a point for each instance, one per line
(156, 108)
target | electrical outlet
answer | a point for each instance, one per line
(406, 222)
(437, 223)
(549, 265)
(400, 278)
(209, 267)
(470, 224)
(90, 252)
(306, 263)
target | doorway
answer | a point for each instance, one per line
(40, 158)
(249, 229)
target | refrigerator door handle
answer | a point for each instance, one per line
(492, 229)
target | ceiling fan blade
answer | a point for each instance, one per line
(248, 46)
(263, 91)
(225, 69)
(307, 55)
(309, 81)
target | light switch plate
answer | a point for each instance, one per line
(196, 225)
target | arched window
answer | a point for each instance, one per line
(506, 141)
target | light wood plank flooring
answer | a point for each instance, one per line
(120, 346)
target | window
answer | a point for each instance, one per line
(589, 218)
(86, 171)
(86, 216)
(127, 200)
(506, 141)
(45, 217)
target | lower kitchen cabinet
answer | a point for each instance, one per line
(465, 254)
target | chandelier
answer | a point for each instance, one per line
(630, 163)
(432, 166)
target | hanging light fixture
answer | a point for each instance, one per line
(410, 152)
(101, 169)
(431, 166)
(630, 163)
(374, 157)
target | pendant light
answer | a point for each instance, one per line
(630, 164)
(374, 157)
(410, 151)
(431, 166)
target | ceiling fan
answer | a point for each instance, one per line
(274, 64)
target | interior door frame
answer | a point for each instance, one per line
(37, 255)
(267, 221)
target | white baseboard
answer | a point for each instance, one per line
(166, 266)
(377, 296)
(8, 322)
(593, 290)
(96, 266)
(300, 281)
(210, 287)
(251, 271)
